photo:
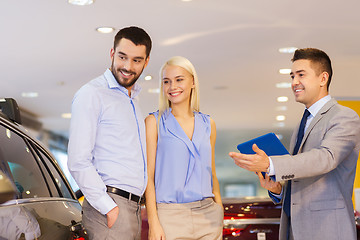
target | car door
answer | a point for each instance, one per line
(44, 206)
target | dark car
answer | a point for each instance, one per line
(42, 204)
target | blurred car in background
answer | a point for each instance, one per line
(41, 204)
(251, 218)
(357, 221)
(248, 218)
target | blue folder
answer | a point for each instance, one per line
(269, 143)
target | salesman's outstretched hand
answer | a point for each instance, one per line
(258, 162)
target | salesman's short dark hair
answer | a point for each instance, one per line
(317, 57)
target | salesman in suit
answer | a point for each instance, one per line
(317, 194)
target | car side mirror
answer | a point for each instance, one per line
(7, 188)
(9, 107)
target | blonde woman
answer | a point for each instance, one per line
(183, 196)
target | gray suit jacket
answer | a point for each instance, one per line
(322, 175)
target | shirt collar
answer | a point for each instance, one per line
(112, 83)
(315, 108)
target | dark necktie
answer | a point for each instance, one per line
(300, 136)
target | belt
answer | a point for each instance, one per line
(124, 194)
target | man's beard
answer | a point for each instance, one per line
(125, 82)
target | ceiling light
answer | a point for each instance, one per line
(283, 85)
(29, 94)
(148, 78)
(280, 118)
(186, 0)
(282, 99)
(287, 50)
(154, 90)
(66, 115)
(81, 2)
(285, 71)
(105, 29)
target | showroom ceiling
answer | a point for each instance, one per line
(51, 48)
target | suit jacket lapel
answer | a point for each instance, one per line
(293, 138)
(316, 119)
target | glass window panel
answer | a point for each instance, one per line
(25, 171)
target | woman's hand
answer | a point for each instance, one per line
(156, 232)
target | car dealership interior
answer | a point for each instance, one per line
(242, 51)
(52, 48)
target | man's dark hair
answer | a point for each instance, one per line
(135, 34)
(317, 57)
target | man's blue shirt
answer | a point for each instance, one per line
(107, 141)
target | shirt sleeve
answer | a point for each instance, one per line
(86, 111)
(276, 198)
(271, 168)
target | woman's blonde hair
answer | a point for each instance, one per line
(164, 103)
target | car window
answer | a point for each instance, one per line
(62, 159)
(23, 167)
(57, 178)
(55, 192)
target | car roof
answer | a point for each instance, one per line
(20, 129)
